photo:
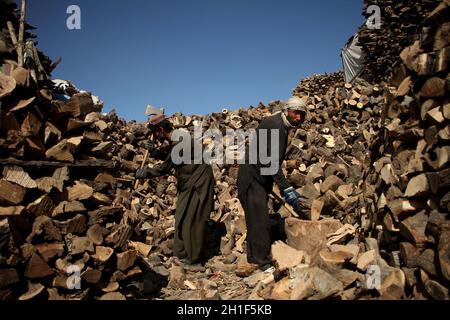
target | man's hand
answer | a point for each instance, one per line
(141, 173)
(304, 212)
(291, 196)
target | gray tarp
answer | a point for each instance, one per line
(352, 59)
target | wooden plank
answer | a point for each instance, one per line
(98, 163)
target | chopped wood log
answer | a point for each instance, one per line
(388, 174)
(80, 191)
(444, 254)
(34, 290)
(10, 193)
(401, 128)
(103, 147)
(9, 121)
(75, 124)
(441, 37)
(334, 259)
(433, 88)
(52, 133)
(142, 248)
(404, 87)
(103, 254)
(446, 111)
(18, 176)
(103, 214)
(316, 209)
(435, 116)
(21, 104)
(11, 211)
(413, 229)
(45, 184)
(7, 277)
(366, 259)
(92, 276)
(426, 261)
(43, 228)
(50, 250)
(436, 290)
(119, 237)
(281, 290)
(417, 186)
(126, 259)
(35, 146)
(31, 125)
(75, 225)
(75, 141)
(113, 296)
(286, 257)
(111, 287)
(95, 233)
(37, 268)
(60, 152)
(401, 208)
(313, 283)
(68, 207)
(41, 206)
(331, 183)
(102, 199)
(309, 236)
(7, 85)
(351, 249)
(101, 125)
(60, 176)
(81, 103)
(77, 245)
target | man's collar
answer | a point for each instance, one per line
(287, 125)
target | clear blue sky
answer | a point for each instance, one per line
(193, 56)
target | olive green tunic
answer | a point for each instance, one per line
(194, 204)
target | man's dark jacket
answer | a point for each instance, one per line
(250, 172)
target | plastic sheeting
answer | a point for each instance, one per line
(352, 59)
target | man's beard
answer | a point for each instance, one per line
(294, 123)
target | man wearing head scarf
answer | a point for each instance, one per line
(195, 198)
(254, 187)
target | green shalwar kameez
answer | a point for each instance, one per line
(195, 202)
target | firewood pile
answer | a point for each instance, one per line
(318, 84)
(65, 209)
(403, 233)
(408, 186)
(400, 27)
(371, 162)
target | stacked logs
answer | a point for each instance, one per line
(410, 180)
(67, 221)
(400, 25)
(318, 84)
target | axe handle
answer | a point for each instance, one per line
(276, 194)
(136, 184)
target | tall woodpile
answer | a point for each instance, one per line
(400, 27)
(409, 183)
(66, 213)
(318, 84)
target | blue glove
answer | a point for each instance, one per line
(292, 196)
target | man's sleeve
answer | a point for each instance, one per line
(163, 169)
(278, 177)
